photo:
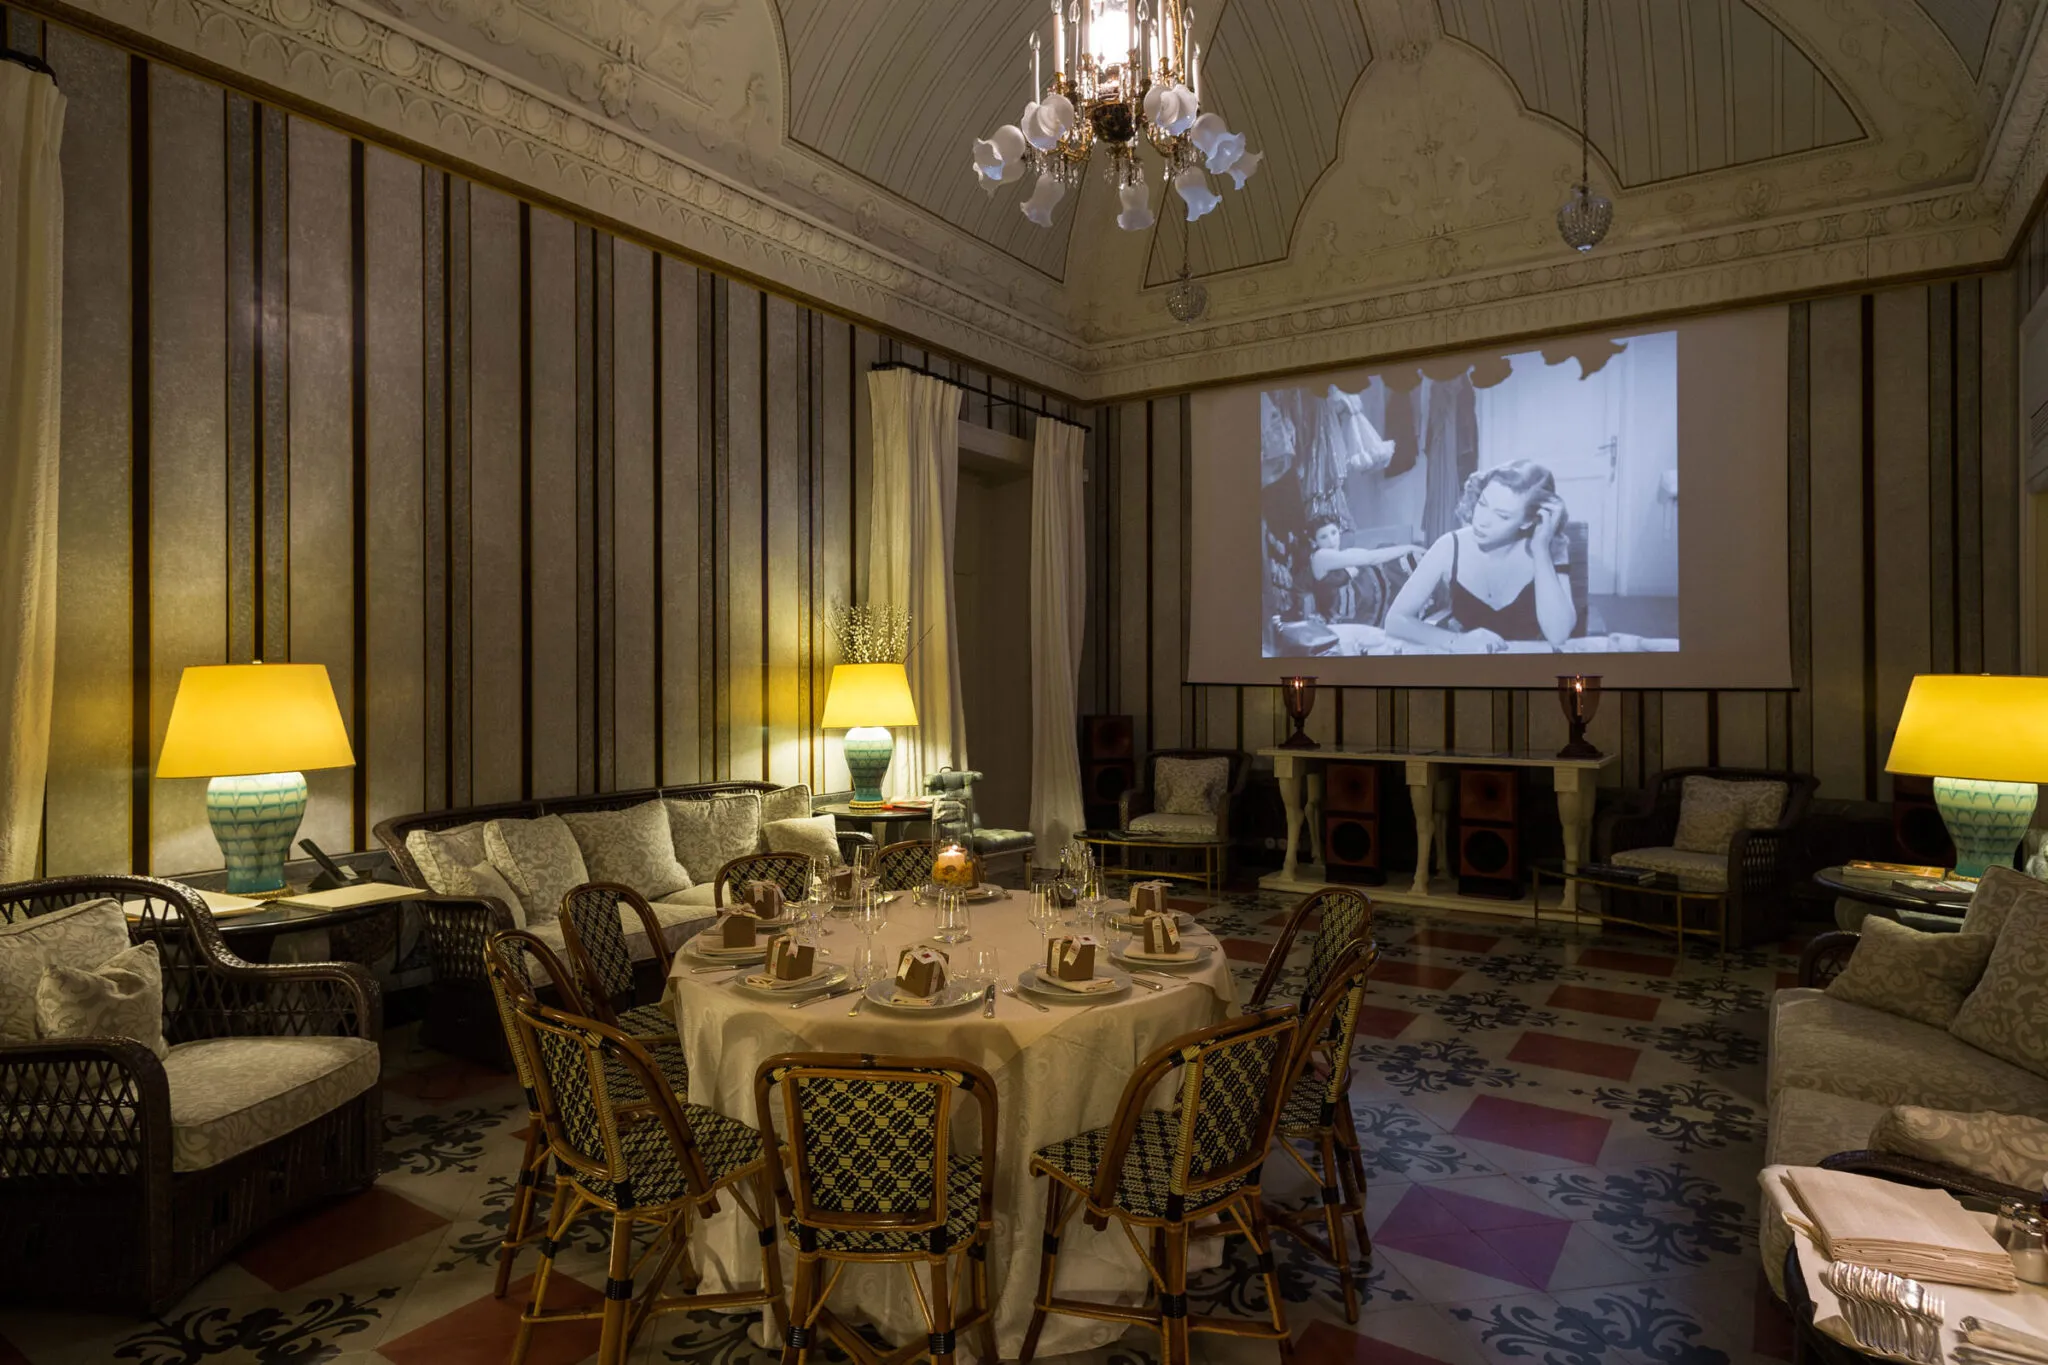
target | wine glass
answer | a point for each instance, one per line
(865, 966)
(1043, 912)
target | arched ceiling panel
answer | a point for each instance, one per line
(1967, 25)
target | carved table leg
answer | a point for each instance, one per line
(1574, 812)
(1288, 771)
(1315, 816)
(1422, 796)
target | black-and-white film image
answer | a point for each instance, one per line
(1520, 503)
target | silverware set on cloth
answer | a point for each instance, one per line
(1888, 1313)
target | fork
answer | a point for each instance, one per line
(1011, 991)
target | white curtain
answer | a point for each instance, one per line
(31, 314)
(1059, 593)
(910, 560)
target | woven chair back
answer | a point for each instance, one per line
(1331, 1026)
(1346, 918)
(1233, 1080)
(905, 866)
(790, 871)
(597, 945)
(510, 957)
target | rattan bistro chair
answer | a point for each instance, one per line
(869, 1176)
(1317, 1114)
(112, 1195)
(637, 1153)
(1167, 1169)
(591, 930)
(790, 871)
(905, 866)
(1342, 917)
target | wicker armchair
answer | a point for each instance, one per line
(1138, 804)
(1762, 868)
(102, 1194)
(1340, 916)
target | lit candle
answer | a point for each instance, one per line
(1037, 87)
(1195, 81)
(1059, 37)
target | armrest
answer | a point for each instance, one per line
(1823, 959)
(306, 999)
(1133, 803)
(1626, 829)
(83, 1107)
(458, 927)
(1760, 859)
(1932, 1175)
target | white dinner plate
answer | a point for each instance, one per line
(1032, 982)
(1133, 957)
(699, 951)
(1128, 922)
(823, 979)
(952, 997)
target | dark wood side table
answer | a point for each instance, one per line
(887, 826)
(252, 934)
(1831, 880)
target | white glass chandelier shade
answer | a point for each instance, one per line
(1126, 73)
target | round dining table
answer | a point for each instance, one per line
(1058, 1072)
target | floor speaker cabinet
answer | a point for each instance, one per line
(1109, 767)
(1918, 832)
(1106, 737)
(1487, 845)
(1353, 849)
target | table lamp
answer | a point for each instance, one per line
(1984, 740)
(863, 700)
(253, 729)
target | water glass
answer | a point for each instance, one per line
(984, 968)
(952, 918)
(865, 967)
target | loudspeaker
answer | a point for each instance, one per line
(1918, 831)
(1101, 785)
(1351, 823)
(1105, 737)
(1351, 788)
(1488, 839)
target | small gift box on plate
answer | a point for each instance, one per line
(736, 930)
(921, 972)
(1149, 898)
(791, 961)
(764, 899)
(1070, 957)
(1162, 934)
(843, 881)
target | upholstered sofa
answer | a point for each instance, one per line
(1838, 1066)
(490, 868)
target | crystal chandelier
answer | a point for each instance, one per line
(1135, 77)
(1583, 219)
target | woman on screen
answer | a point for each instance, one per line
(1504, 584)
(1335, 569)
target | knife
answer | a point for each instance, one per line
(988, 1001)
(828, 995)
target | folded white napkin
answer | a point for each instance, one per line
(1925, 1234)
(1185, 954)
(766, 982)
(1088, 987)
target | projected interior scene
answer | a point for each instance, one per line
(1521, 503)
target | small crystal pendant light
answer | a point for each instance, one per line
(1583, 219)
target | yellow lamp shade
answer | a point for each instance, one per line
(231, 720)
(1992, 728)
(868, 694)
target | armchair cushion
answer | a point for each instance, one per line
(632, 847)
(540, 861)
(785, 803)
(229, 1095)
(1807, 1125)
(710, 832)
(485, 880)
(2009, 1148)
(121, 998)
(82, 936)
(1163, 822)
(816, 835)
(2000, 891)
(1915, 975)
(1820, 1043)
(2007, 1013)
(1189, 786)
(443, 855)
(1708, 870)
(1710, 811)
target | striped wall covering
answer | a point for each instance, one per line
(558, 513)
(1905, 559)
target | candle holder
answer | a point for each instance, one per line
(1578, 695)
(1299, 694)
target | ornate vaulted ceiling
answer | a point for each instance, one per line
(1415, 154)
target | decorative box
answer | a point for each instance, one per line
(765, 899)
(791, 961)
(844, 883)
(1148, 898)
(1070, 957)
(736, 930)
(1162, 935)
(921, 972)
(956, 868)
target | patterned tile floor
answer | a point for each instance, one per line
(1562, 1128)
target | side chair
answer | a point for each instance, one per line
(1342, 916)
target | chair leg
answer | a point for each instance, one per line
(1174, 1347)
(1352, 1173)
(942, 1345)
(1262, 1231)
(985, 1331)
(618, 1293)
(1048, 1258)
(532, 1165)
(799, 1329)
(1333, 1220)
(771, 1255)
(558, 1222)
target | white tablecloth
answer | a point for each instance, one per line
(1057, 1074)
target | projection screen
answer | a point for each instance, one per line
(1609, 502)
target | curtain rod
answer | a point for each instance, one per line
(29, 60)
(991, 397)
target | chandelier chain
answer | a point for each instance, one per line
(1585, 44)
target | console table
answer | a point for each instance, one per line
(1300, 773)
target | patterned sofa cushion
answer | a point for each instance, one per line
(443, 856)
(1166, 822)
(121, 998)
(816, 836)
(1708, 871)
(1806, 1125)
(632, 847)
(81, 936)
(229, 1095)
(1922, 977)
(1999, 892)
(784, 803)
(2007, 1014)
(1190, 786)
(1821, 1043)
(1710, 811)
(2008, 1147)
(540, 860)
(710, 832)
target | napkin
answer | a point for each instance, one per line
(1925, 1234)
(1087, 987)
(1185, 954)
(763, 981)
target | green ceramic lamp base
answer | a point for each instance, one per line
(868, 751)
(254, 818)
(1985, 819)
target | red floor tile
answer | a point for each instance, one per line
(1487, 1215)
(1417, 974)
(1533, 1251)
(1454, 940)
(1377, 1021)
(1638, 964)
(445, 1082)
(1246, 950)
(1615, 1004)
(481, 1331)
(1787, 980)
(1328, 1343)
(1466, 1251)
(1535, 1128)
(1615, 1062)
(1279, 921)
(339, 1235)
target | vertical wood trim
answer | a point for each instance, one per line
(359, 497)
(140, 460)
(525, 528)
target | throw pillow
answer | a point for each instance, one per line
(2009, 1148)
(1915, 975)
(1711, 811)
(121, 998)
(83, 936)
(540, 862)
(485, 880)
(1189, 786)
(785, 803)
(2001, 891)
(2007, 1015)
(710, 832)
(443, 855)
(632, 847)
(818, 836)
